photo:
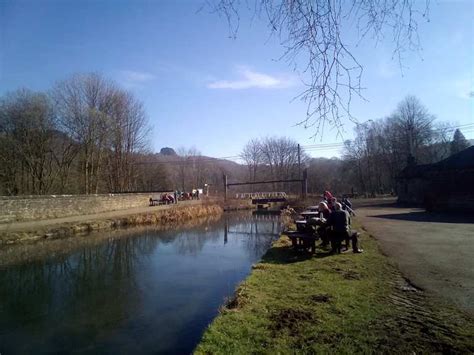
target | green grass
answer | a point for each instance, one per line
(344, 304)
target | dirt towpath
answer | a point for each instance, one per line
(435, 251)
(31, 225)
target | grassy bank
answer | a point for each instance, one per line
(348, 303)
(171, 216)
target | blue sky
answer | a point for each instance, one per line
(204, 89)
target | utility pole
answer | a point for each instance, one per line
(304, 184)
(411, 157)
(225, 187)
(299, 161)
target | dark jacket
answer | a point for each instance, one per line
(340, 221)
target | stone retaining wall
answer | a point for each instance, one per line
(27, 208)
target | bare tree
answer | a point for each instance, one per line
(65, 151)
(191, 168)
(84, 103)
(280, 156)
(252, 155)
(380, 149)
(314, 30)
(354, 153)
(26, 125)
(413, 125)
(459, 142)
(127, 136)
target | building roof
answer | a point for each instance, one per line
(462, 160)
(459, 161)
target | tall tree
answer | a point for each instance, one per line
(413, 126)
(84, 104)
(191, 168)
(252, 155)
(459, 142)
(127, 136)
(381, 147)
(26, 126)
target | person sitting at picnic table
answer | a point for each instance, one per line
(324, 210)
(347, 205)
(167, 199)
(340, 222)
(345, 201)
(328, 196)
(324, 214)
(332, 204)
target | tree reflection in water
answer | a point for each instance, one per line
(84, 297)
(91, 292)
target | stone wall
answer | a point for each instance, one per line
(27, 208)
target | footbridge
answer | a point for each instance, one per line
(266, 197)
(262, 197)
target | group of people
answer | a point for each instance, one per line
(172, 198)
(334, 223)
(183, 196)
(331, 202)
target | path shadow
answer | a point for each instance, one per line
(423, 216)
(379, 205)
(376, 202)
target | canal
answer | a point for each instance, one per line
(139, 291)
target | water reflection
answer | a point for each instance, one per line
(148, 291)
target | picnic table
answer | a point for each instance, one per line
(302, 240)
(314, 217)
(306, 232)
(310, 214)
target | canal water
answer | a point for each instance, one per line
(144, 291)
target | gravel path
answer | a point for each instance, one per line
(435, 251)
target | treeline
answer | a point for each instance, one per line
(370, 162)
(82, 136)
(382, 148)
(87, 135)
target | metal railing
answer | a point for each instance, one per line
(260, 195)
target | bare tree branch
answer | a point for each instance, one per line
(314, 30)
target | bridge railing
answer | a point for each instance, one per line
(260, 195)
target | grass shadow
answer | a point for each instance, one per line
(286, 254)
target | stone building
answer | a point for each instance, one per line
(445, 185)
